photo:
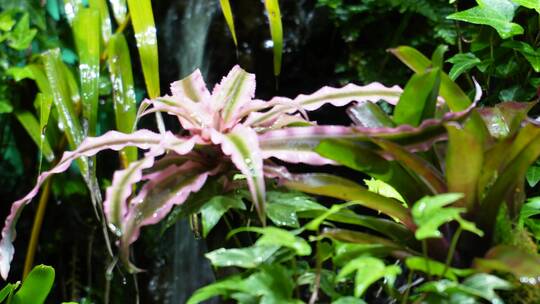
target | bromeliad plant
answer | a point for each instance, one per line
(224, 127)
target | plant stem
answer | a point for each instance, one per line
(451, 251)
(36, 228)
(315, 293)
(408, 290)
(425, 253)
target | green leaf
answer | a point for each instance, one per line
(249, 257)
(429, 215)
(214, 209)
(368, 271)
(71, 8)
(5, 106)
(369, 115)
(36, 286)
(119, 9)
(437, 58)
(282, 207)
(34, 72)
(8, 290)
(462, 63)
(22, 35)
(272, 285)
(121, 74)
(419, 99)
(6, 21)
(384, 189)
(348, 300)
(276, 31)
(86, 30)
(456, 99)
(337, 187)
(31, 125)
(223, 287)
(530, 209)
(435, 268)
(495, 13)
(142, 19)
(355, 237)
(532, 55)
(532, 4)
(278, 237)
(227, 13)
(104, 17)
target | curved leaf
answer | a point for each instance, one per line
(227, 13)
(36, 286)
(525, 266)
(104, 17)
(119, 10)
(276, 31)
(233, 92)
(368, 271)
(243, 147)
(32, 127)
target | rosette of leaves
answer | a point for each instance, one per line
(224, 134)
(428, 150)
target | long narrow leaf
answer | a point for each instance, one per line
(276, 31)
(31, 125)
(71, 8)
(142, 19)
(86, 30)
(119, 9)
(123, 88)
(243, 147)
(104, 17)
(227, 13)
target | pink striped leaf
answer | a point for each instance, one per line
(143, 139)
(243, 147)
(192, 87)
(170, 187)
(327, 95)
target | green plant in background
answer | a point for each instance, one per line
(34, 289)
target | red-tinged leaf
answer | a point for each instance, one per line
(456, 99)
(117, 194)
(525, 266)
(243, 147)
(327, 95)
(369, 115)
(505, 118)
(297, 144)
(431, 178)
(233, 93)
(170, 187)
(344, 189)
(113, 140)
(462, 176)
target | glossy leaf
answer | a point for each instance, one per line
(233, 93)
(278, 237)
(31, 125)
(36, 286)
(532, 4)
(104, 17)
(215, 208)
(71, 8)
(86, 29)
(532, 55)
(436, 268)
(369, 115)
(7, 291)
(142, 19)
(119, 9)
(227, 13)
(276, 31)
(283, 207)
(368, 271)
(338, 187)
(125, 103)
(248, 257)
(429, 215)
(242, 145)
(461, 63)
(456, 99)
(419, 99)
(495, 13)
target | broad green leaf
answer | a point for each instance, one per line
(125, 103)
(248, 257)
(384, 189)
(276, 31)
(461, 63)
(104, 17)
(227, 13)
(223, 287)
(456, 99)
(495, 13)
(429, 215)
(34, 72)
(282, 207)
(120, 11)
(524, 266)
(86, 30)
(31, 125)
(419, 99)
(369, 115)
(368, 271)
(22, 35)
(484, 286)
(349, 300)
(462, 177)
(356, 237)
(435, 268)
(530, 209)
(5, 107)
(532, 55)
(362, 158)
(437, 58)
(532, 4)
(6, 21)
(215, 208)
(278, 237)
(273, 284)
(142, 19)
(36, 286)
(338, 187)
(58, 81)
